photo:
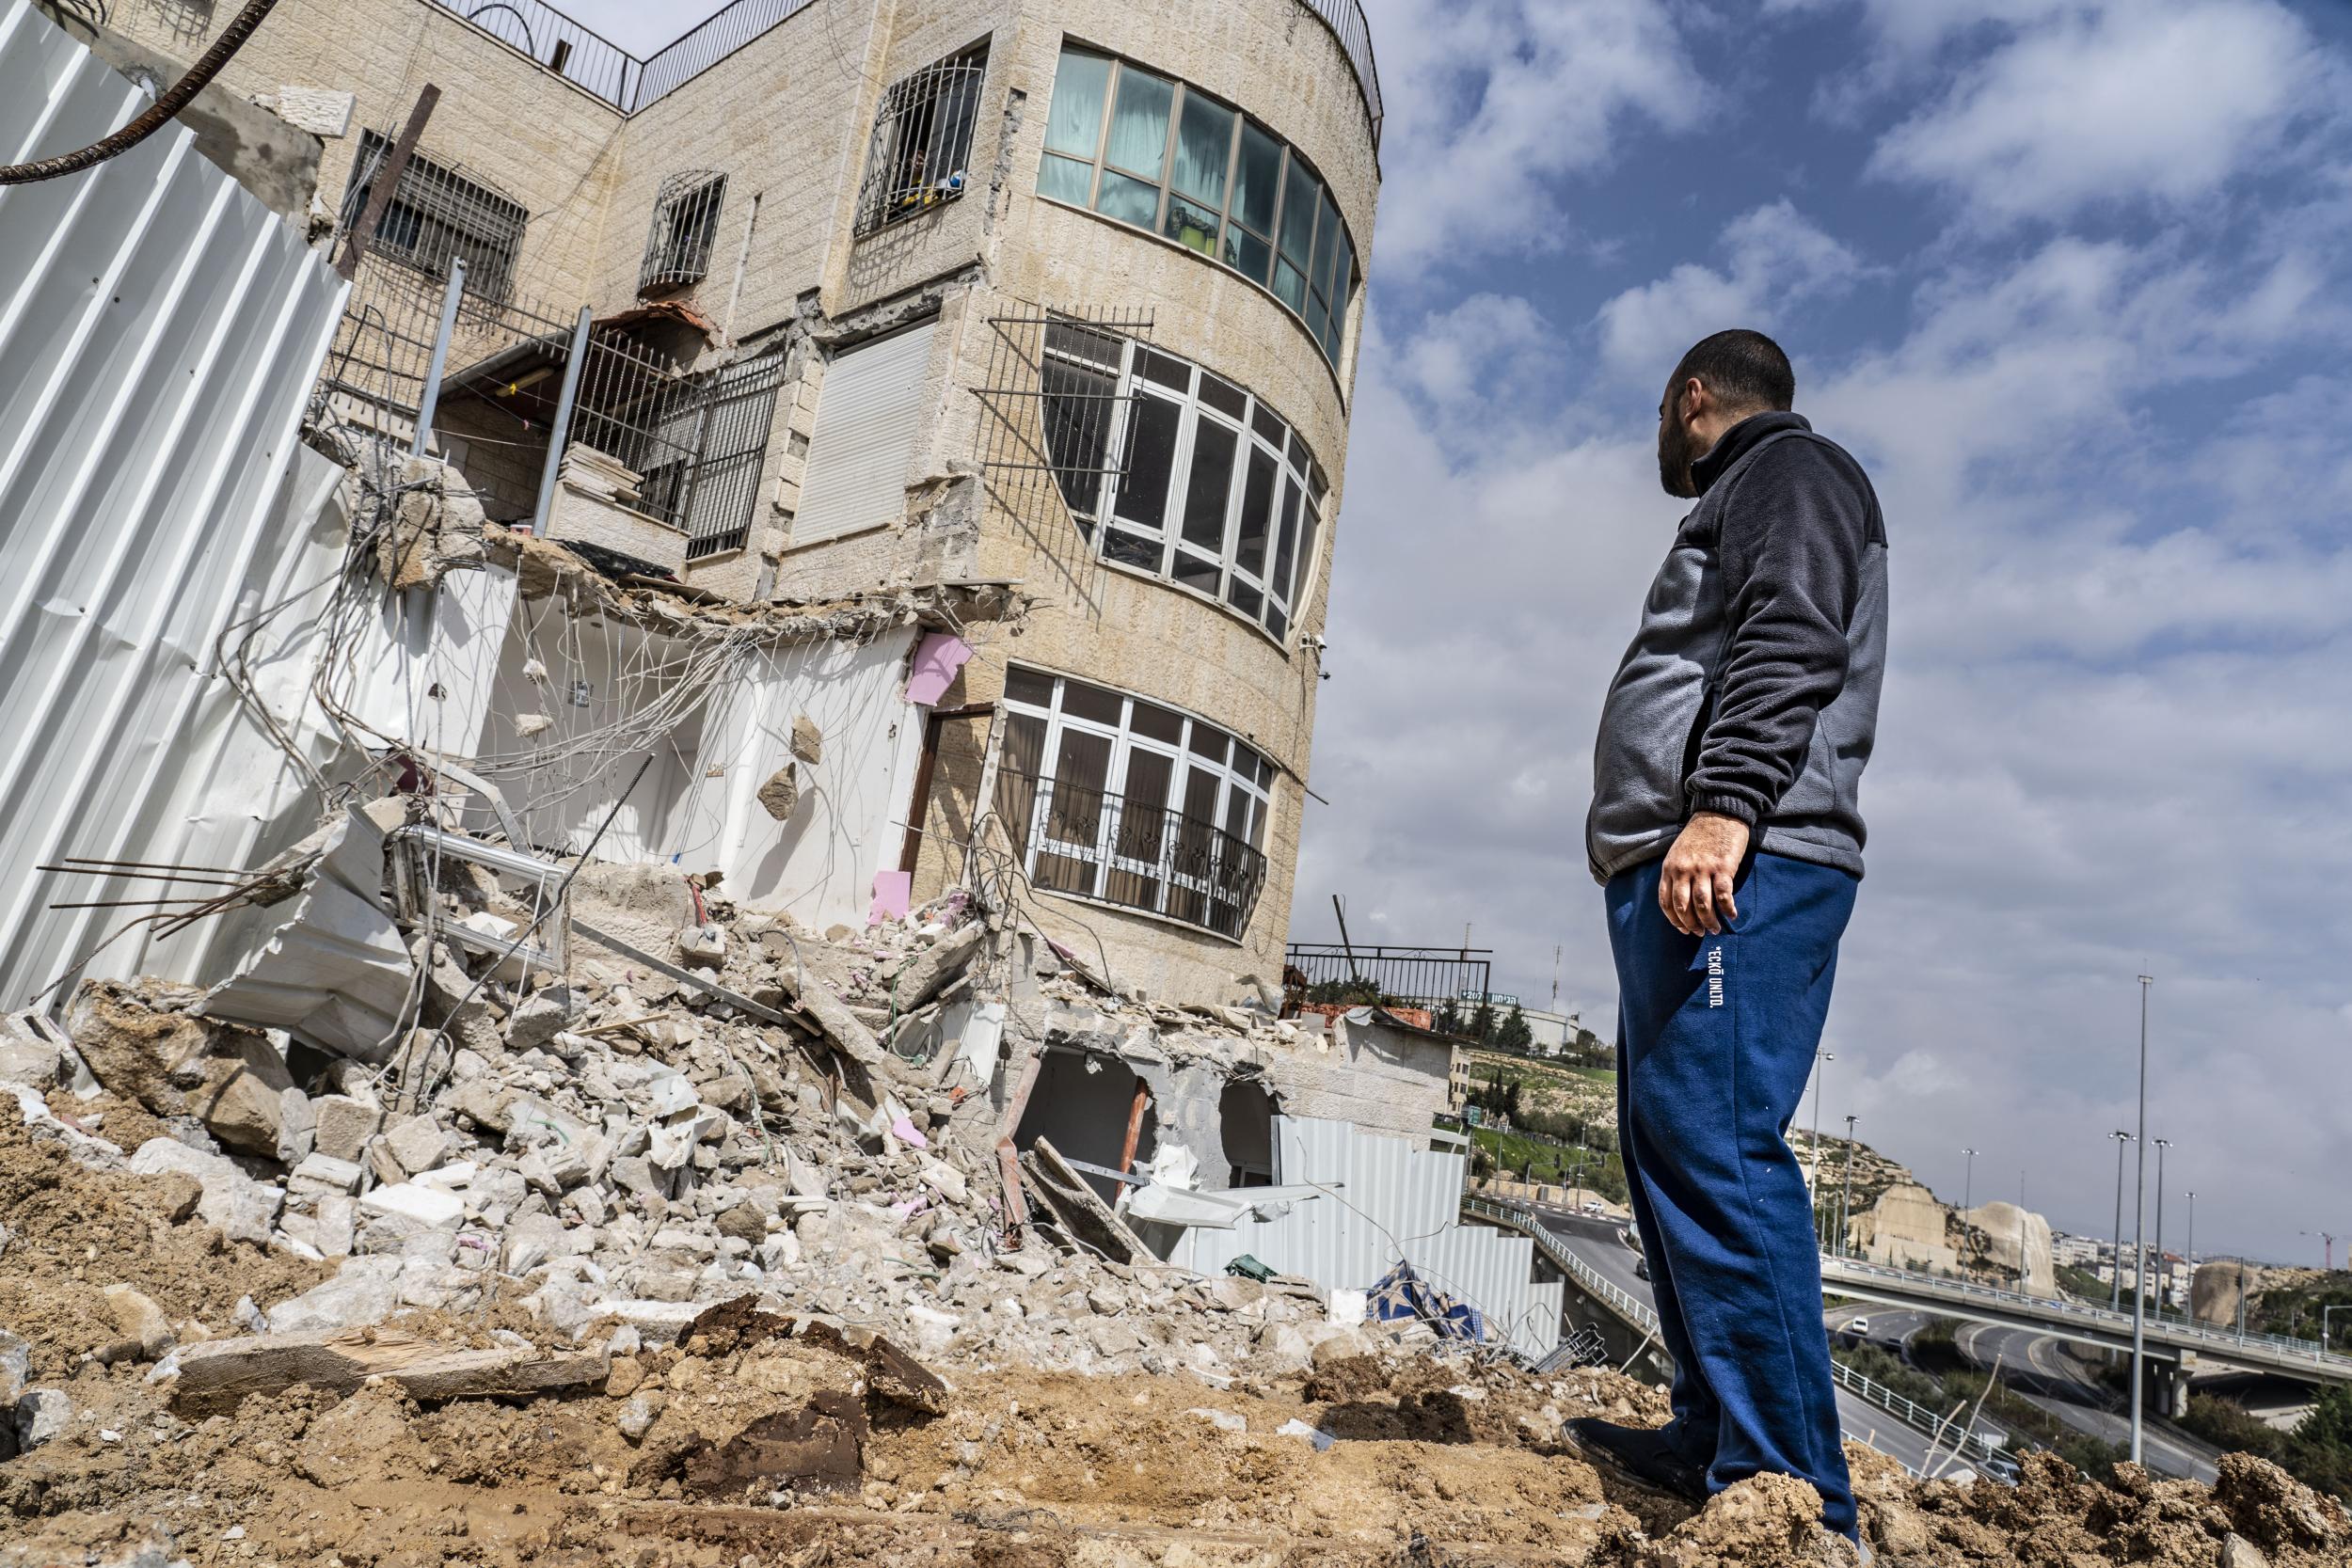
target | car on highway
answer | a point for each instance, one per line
(1859, 1325)
(1641, 1266)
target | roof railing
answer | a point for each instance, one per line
(597, 66)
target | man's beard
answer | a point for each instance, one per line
(1676, 451)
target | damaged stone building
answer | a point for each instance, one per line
(801, 555)
(1059, 298)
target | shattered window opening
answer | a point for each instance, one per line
(1116, 798)
(922, 141)
(436, 212)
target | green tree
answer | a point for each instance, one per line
(1482, 1022)
(1515, 1032)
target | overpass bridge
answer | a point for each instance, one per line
(1922, 1441)
(2185, 1344)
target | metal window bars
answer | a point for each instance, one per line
(436, 213)
(922, 142)
(685, 228)
(693, 443)
(1053, 405)
(1137, 853)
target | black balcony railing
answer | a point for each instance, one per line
(1444, 981)
(1140, 854)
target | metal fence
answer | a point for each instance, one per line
(596, 65)
(693, 443)
(1141, 854)
(1432, 977)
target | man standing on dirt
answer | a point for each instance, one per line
(1725, 833)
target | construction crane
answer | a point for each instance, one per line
(2328, 1240)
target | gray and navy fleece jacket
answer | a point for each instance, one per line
(1752, 687)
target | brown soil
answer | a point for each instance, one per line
(1437, 1463)
(73, 1232)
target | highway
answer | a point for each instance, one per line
(2038, 1368)
(1600, 1243)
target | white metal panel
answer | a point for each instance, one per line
(1385, 1202)
(869, 411)
(160, 329)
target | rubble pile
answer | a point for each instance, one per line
(631, 1144)
(713, 1247)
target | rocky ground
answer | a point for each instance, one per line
(622, 1271)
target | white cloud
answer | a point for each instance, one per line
(1492, 103)
(2095, 105)
(1778, 258)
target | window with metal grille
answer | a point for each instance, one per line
(1116, 798)
(1194, 480)
(685, 227)
(1146, 149)
(922, 142)
(438, 212)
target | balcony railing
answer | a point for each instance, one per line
(596, 64)
(1138, 854)
(1433, 978)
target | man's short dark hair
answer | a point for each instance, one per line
(1743, 368)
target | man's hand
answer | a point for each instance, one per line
(1695, 888)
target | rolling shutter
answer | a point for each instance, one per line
(869, 412)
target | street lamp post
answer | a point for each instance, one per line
(2163, 1273)
(2021, 1238)
(1967, 1191)
(2115, 1297)
(1821, 1072)
(1845, 1199)
(2139, 1247)
(2189, 1248)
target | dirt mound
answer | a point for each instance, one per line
(73, 1232)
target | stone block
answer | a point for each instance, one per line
(418, 1144)
(429, 1207)
(343, 1125)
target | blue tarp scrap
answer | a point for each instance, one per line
(1403, 1293)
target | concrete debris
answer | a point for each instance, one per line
(757, 1221)
(808, 742)
(781, 794)
(218, 1374)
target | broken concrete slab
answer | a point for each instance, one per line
(935, 965)
(140, 1320)
(144, 1049)
(781, 794)
(343, 1125)
(422, 1205)
(1083, 1216)
(243, 1209)
(216, 1375)
(336, 972)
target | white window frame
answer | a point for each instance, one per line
(1322, 239)
(1125, 743)
(1278, 613)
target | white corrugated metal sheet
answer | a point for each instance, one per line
(1384, 1202)
(159, 332)
(869, 409)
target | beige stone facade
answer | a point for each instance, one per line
(787, 119)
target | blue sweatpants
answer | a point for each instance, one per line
(1715, 1041)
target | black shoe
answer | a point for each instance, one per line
(1641, 1454)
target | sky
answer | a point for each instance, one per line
(2069, 277)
